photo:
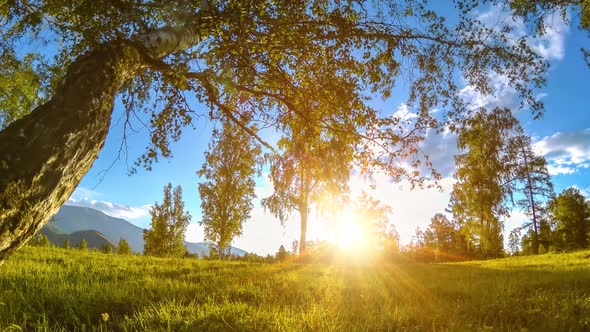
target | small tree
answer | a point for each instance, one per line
(106, 249)
(282, 254)
(169, 223)
(83, 245)
(513, 241)
(66, 244)
(44, 241)
(571, 213)
(227, 193)
(123, 248)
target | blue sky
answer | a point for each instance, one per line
(562, 136)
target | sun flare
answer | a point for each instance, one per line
(350, 234)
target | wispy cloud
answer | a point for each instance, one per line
(403, 112)
(566, 152)
(112, 209)
(550, 46)
(441, 149)
(503, 95)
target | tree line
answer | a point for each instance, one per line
(496, 174)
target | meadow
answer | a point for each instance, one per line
(54, 289)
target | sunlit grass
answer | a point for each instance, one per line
(67, 290)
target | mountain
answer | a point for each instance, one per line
(70, 219)
(94, 239)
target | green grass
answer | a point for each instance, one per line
(52, 289)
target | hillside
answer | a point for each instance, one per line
(71, 219)
(95, 239)
(52, 289)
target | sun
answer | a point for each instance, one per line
(349, 234)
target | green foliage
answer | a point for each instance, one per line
(165, 238)
(83, 245)
(444, 239)
(230, 167)
(140, 293)
(571, 212)
(479, 199)
(106, 249)
(306, 69)
(19, 86)
(44, 241)
(282, 254)
(541, 14)
(66, 244)
(531, 178)
(514, 242)
(123, 248)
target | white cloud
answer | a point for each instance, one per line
(112, 209)
(503, 95)
(566, 152)
(403, 113)
(550, 46)
(441, 149)
(194, 233)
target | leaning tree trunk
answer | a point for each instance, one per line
(44, 155)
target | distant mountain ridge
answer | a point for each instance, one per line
(94, 239)
(71, 219)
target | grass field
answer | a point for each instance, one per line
(53, 289)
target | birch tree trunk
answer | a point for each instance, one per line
(44, 155)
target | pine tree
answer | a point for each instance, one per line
(123, 248)
(530, 171)
(165, 238)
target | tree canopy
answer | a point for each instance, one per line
(276, 60)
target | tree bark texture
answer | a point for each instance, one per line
(44, 155)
